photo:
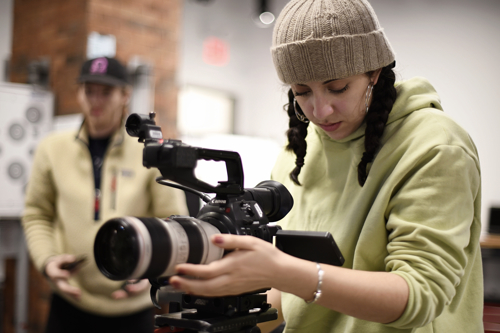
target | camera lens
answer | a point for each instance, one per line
(120, 245)
(118, 249)
(136, 248)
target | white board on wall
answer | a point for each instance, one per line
(25, 118)
(204, 111)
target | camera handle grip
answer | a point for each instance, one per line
(177, 163)
(232, 159)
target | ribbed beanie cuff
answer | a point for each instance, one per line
(318, 40)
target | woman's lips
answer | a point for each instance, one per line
(330, 127)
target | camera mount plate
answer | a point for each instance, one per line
(192, 321)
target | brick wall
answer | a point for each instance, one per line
(149, 29)
(57, 30)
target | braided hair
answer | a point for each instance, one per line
(296, 133)
(384, 96)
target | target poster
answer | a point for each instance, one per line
(26, 115)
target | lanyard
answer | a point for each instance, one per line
(98, 197)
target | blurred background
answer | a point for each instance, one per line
(205, 68)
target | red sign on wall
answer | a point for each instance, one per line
(215, 51)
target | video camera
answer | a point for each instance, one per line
(137, 247)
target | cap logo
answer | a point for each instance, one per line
(99, 66)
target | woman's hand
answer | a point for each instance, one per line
(131, 288)
(252, 266)
(256, 264)
(59, 276)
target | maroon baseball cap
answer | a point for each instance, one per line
(104, 70)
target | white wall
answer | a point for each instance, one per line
(454, 43)
(249, 76)
(6, 8)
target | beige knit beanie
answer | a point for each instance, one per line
(317, 40)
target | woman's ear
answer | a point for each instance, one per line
(375, 75)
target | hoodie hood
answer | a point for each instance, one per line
(412, 95)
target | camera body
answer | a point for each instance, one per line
(138, 247)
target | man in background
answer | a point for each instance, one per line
(81, 179)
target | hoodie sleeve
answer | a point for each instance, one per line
(433, 230)
(39, 212)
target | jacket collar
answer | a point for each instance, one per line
(116, 139)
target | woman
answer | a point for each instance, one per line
(378, 165)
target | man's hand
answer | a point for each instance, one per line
(131, 288)
(59, 276)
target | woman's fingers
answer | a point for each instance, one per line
(214, 287)
(203, 271)
(232, 242)
(203, 278)
(229, 263)
(238, 272)
(239, 246)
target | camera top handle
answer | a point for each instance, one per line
(177, 161)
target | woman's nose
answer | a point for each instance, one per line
(322, 109)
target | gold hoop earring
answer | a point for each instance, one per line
(300, 116)
(368, 95)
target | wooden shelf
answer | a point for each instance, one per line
(490, 241)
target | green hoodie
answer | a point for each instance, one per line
(418, 216)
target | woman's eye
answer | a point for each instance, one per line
(303, 93)
(339, 91)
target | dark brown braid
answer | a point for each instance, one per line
(296, 133)
(384, 96)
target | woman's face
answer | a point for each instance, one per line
(336, 106)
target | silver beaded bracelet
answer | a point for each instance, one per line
(317, 293)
